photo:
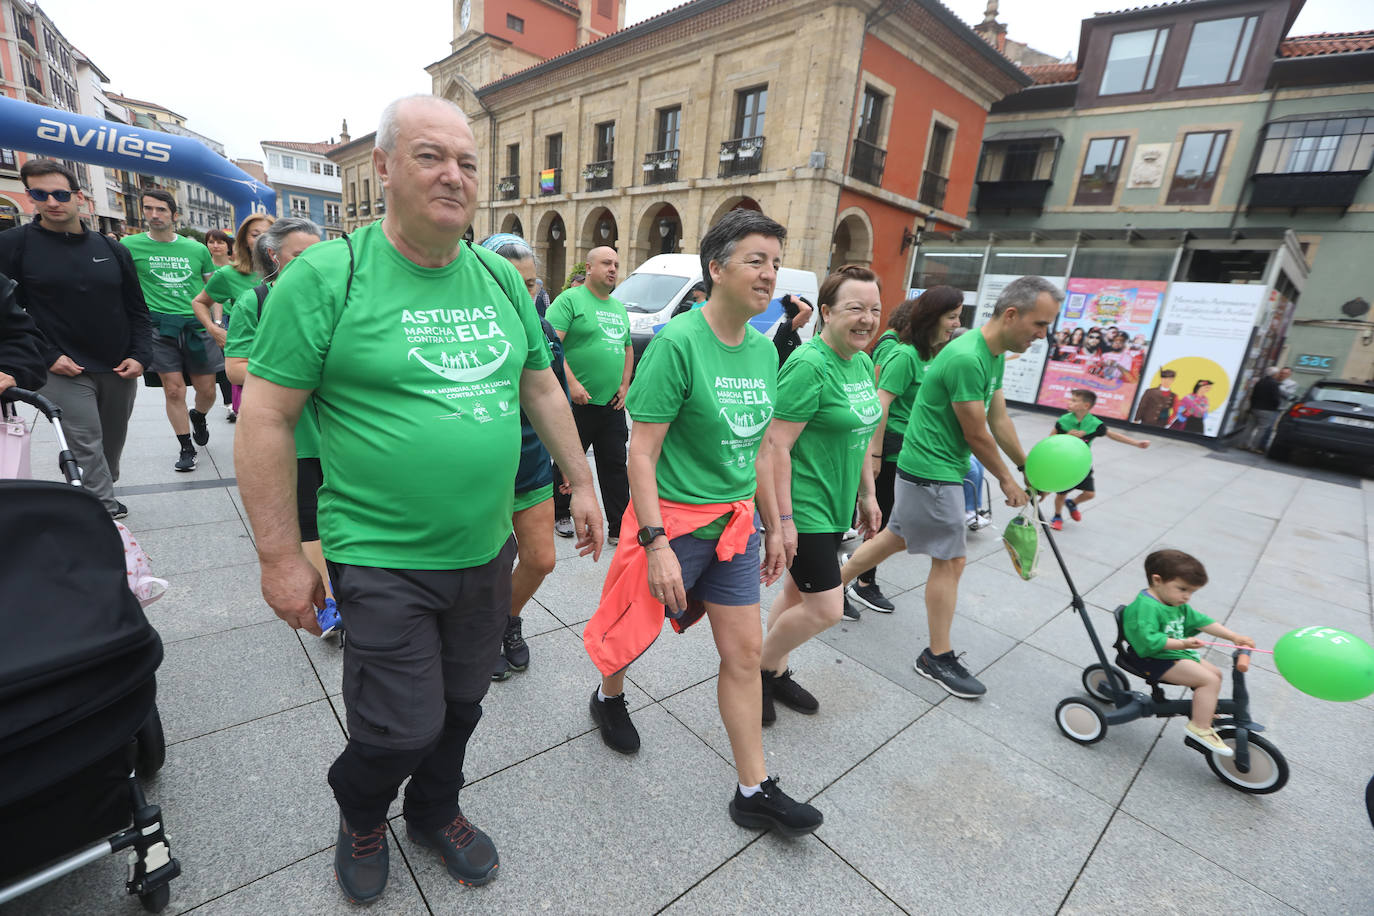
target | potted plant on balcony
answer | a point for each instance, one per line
(726, 153)
(505, 186)
(666, 162)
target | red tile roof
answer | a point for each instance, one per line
(1326, 43)
(1046, 74)
(321, 148)
(122, 99)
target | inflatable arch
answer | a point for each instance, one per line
(63, 135)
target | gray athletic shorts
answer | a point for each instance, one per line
(732, 583)
(418, 639)
(929, 516)
(192, 351)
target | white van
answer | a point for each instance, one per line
(654, 290)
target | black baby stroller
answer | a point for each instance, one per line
(78, 717)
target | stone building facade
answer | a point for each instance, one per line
(855, 124)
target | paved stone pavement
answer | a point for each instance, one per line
(932, 804)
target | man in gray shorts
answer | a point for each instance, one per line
(420, 352)
(959, 409)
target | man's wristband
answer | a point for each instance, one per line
(785, 518)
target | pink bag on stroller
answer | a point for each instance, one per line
(146, 587)
(14, 445)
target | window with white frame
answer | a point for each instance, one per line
(331, 213)
(288, 162)
(300, 207)
(315, 168)
(329, 169)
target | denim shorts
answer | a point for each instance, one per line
(732, 583)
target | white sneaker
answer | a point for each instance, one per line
(979, 522)
(971, 520)
(850, 535)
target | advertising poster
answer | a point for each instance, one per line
(1021, 377)
(1198, 354)
(1100, 341)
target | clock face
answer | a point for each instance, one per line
(464, 13)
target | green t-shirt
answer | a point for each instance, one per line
(597, 333)
(934, 446)
(243, 330)
(836, 400)
(227, 284)
(171, 273)
(417, 385)
(718, 401)
(1147, 622)
(902, 371)
(1090, 426)
(886, 341)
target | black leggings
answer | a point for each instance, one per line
(884, 487)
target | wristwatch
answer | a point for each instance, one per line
(647, 534)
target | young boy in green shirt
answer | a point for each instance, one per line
(1080, 422)
(1160, 629)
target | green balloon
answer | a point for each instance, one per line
(1326, 663)
(1058, 463)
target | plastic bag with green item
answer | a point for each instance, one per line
(1021, 537)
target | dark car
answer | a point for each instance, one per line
(1334, 416)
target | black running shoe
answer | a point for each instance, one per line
(187, 461)
(501, 671)
(513, 646)
(120, 511)
(850, 611)
(612, 716)
(361, 862)
(789, 693)
(871, 596)
(772, 807)
(200, 433)
(469, 854)
(947, 671)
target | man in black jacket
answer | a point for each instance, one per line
(1265, 401)
(84, 295)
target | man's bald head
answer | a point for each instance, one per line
(603, 267)
(389, 126)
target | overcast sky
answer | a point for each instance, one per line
(255, 70)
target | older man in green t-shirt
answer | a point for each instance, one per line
(419, 352)
(959, 410)
(599, 359)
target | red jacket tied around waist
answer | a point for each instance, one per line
(629, 618)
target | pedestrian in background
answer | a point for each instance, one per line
(84, 295)
(214, 305)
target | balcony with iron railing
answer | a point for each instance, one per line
(599, 176)
(379, 206)
(1295, 190)
(867, 162)
(549, 185)
(26, 35)
(33, 84)
(1012, 195)
(364, 209)
(332, 221)
(508, 187)
(741, 156)
(661, 167)
(352, 210)
(933, 187)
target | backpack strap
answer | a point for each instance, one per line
(492, 274)
(348, 288)
(261, 292)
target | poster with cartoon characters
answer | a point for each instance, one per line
(1100, 342)
(1203, 336)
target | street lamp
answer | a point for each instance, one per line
(556, 231)
(664, 227)
(604, 227)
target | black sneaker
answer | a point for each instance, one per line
(947, 671)
(612, 716)
(513, 646)
(187, 461)
(770, 712)
(772, 807)
(200, 433)
(502, 670)
(469, 854)
(361, 862)
(563, 527)
(789, 693)
(871, 596)
(850, 611)
(120, 511)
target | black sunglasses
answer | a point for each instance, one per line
(40, 196)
